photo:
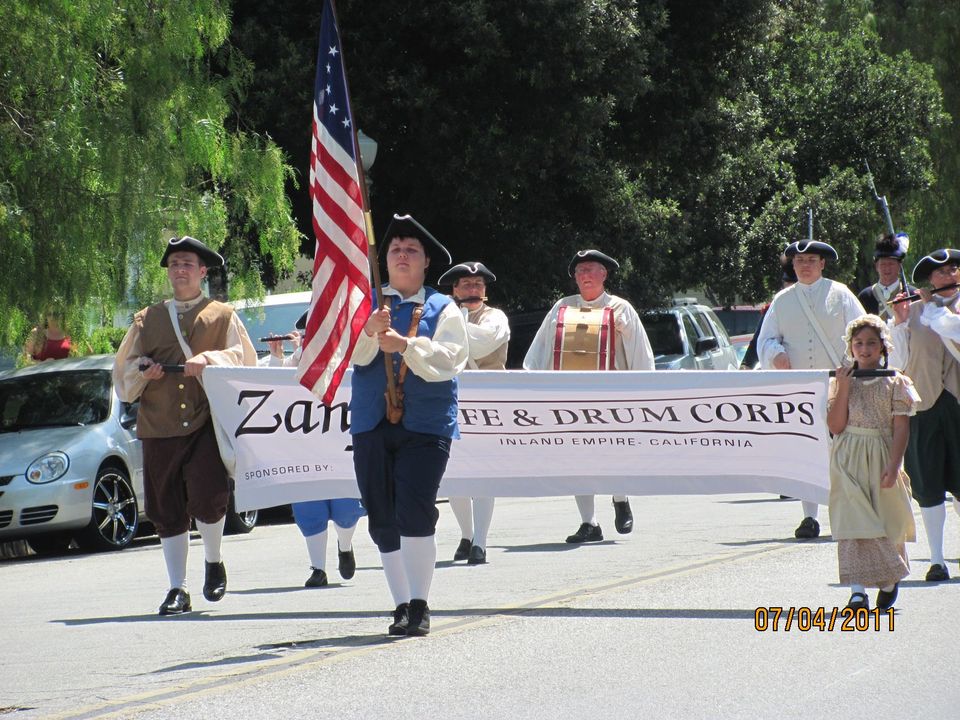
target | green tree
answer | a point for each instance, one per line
(114, 135)
(685, 137)
(494, 121)
(807, 107)
(930, 31)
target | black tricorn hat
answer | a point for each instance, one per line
(189, 244)
(938, 258)
(592, 256)
(814, 247)
(406, 226)
(894, 246)
(466, 269)
(301, 322)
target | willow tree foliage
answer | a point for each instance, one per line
(116, 132)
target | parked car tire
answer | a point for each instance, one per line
(239, 523)
(50, 543)
(114, 516)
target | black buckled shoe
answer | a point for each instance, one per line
(177, 602)
(401, 618)
(807, 529)
(318, 578)
(858, 601)
(463, 550)
(214, 581)
(478, 556)
(418, 623)
(346, 563)
(586, 533)
(623, 520)
(937, 573)
(885, 600)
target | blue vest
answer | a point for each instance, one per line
(428, 407)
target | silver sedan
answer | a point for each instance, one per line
(71, 466)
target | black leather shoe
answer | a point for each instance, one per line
(318, 578)
(177, 602)
(346, 563)
(478, 556)
(419, 620)
(885, 600)
(401, 618)
(215, 581)
(624, 518)
(586, 533)
(858, 601)
(807, 529)
(463, 550)
(937, 573)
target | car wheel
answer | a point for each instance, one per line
(50, 544)
(114, 515)
(239, 523)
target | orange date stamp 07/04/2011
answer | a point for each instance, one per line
(807, 619)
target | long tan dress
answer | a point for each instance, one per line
(870, 523)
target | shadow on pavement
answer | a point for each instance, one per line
(201, 616)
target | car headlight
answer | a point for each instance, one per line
(48, 468)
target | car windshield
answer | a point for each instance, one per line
(261, 320)
(54, 399)
(664, 334)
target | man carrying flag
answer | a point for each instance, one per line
(399, 460)
(400, 452)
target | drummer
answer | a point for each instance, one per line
(614, 340)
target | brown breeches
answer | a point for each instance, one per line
(183, 478)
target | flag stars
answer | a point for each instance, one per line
(334, 109)
(333, 51)
(346, 122)
(328, 68)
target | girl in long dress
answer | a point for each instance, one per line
(870, 512)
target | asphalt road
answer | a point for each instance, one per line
(660, 623)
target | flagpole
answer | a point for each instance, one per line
(372, 259)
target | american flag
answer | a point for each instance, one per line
(341, 285)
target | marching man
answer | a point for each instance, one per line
(926, 336)
(400, 452)
(489, 334)
(183, 475)
(614, 340)
(804, 329)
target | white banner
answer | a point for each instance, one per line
(548, 433)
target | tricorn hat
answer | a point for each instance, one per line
(301, 322)
(895, 247)
(466, 269)
(814, 247)
(189, 244)
(406, 226)
(938, 258)
(592, 256)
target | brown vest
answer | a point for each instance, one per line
(931, 366)
(176, 405)
(497, 360)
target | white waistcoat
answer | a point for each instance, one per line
(800, 339)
